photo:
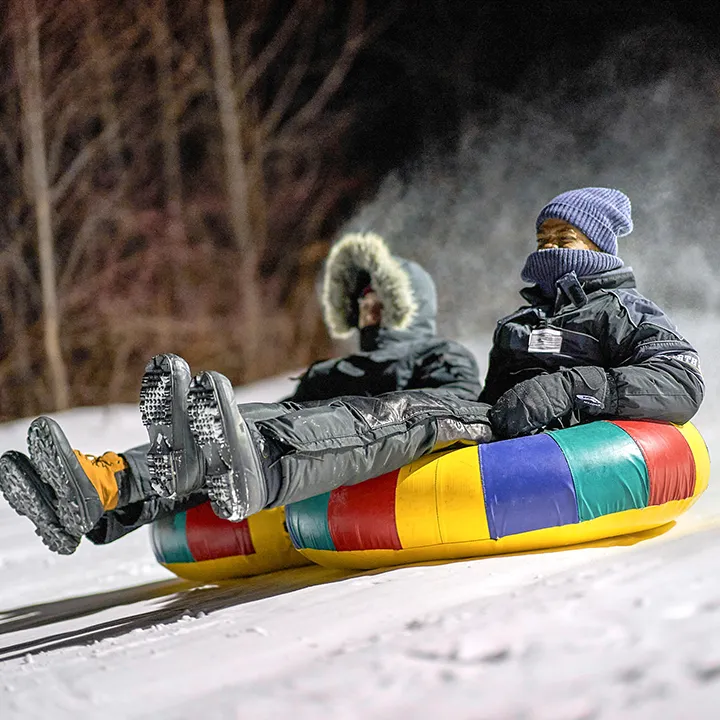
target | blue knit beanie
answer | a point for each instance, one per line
(602, 214)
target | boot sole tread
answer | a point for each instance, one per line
(156, 411)
(22, 496)
(51, 466)
(207, 426)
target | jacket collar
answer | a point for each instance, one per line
(377, 338)
(575, 291)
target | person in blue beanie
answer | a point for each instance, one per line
(587, 345)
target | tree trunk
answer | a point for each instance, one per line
(102, 70)
(236, 177)
(168, 112)
(170, 140)
(28, 53)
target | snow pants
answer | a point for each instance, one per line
(314, 447)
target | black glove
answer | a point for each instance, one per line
(535, 403)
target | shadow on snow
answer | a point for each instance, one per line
(176, 599)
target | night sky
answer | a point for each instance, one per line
(440, 60)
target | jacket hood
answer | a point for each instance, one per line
(405, 289)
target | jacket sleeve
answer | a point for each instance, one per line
(312, 384)
(654, 372)
(496, 379)
(450, 366)
(650, 372)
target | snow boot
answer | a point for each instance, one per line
(84, 486)
(234, 475)
(174, 461)
(28, 495)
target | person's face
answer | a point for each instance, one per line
(560, 234)
(369, 310)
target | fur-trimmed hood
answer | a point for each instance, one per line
(405, 289)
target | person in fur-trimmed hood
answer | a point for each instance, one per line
(391, 304)
(587, 345)
(389, 301)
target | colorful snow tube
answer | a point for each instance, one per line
(554, 489)
(198, 545)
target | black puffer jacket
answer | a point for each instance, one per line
(647, 370)
(404, 353)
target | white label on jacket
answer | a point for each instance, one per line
(545, 340)
(687, 358)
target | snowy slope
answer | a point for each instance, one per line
(625, 630)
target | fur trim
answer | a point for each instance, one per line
(352, 255)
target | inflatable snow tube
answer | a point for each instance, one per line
(198, 545)
(558, 488)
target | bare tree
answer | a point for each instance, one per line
(27, 53)
(236, 176)
(163, 53)
(190, 180)
(236, 179)
(102, 65)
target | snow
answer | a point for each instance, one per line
(623, 629)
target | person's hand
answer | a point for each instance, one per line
(533, 404)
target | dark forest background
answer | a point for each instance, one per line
(172, 173)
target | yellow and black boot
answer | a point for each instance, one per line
(84, 487)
